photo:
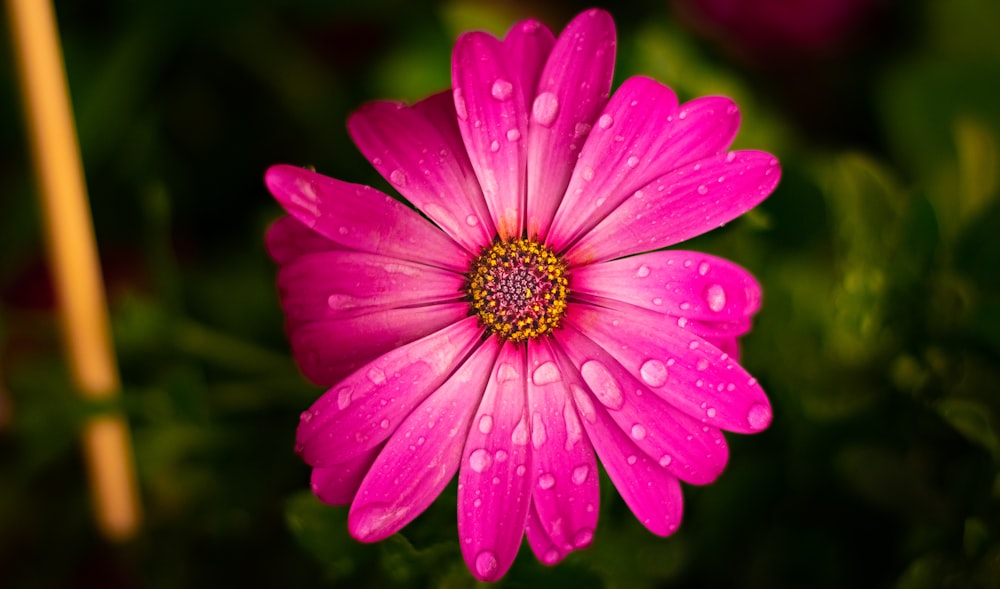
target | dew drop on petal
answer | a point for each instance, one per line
(759, 416)
(306, 416)
(376, 375)
(551, 556)
(398, 177)
(653, 372)
(495, 146)
(486, 564)
(702, 189)
(631, 459)
(486, 424)
(538, 436)
(642, 271)
(703, 268)
(584, 404)
(479, 460)
(602, 383)
(343, 398)
(472, 220)
(588, 173)
(715, 296)
(583, 538)
(710, 412)
(521, 469)
(546, 373)
(579, 475)
(460, 108)
(502, 89)
(605, 121)
(639, 431)
(384, 424)
(665, 460)
(513, 135)
(546, 481)
(702, 364)
(506, 372)
(632, 162)
(545, 108)
(520, 434)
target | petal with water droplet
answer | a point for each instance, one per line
(494, 495)
(382, 505)
(338, 433)
(337, 484)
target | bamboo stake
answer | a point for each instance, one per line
(73, 262)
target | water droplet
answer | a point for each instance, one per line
(657, 301)
(583, 538)
(682, 115)
(584, 404)
(398, 177)
(702, 364)
(631, 459)
(384, 424)
(715, 296)
(710, 412)
(486, 564)
(602, 383)
(460, 108)
(703, 268)
(632, 162)
(372, 520)
(506, 372)
(376, 375)
(502, 89)
(682, 322)
(653, 373)
(495, 146)
(537, 431)
(551, 556)
(480, 460)
(605, 121)
(521, 469)
(472, 220)
(588, 173)
(639, 431)
(579, 475)
(642, 271)
(730, 156)
(486, 424)
(693, 345)
(306, 416)
(513, 135)
(546, 481)
(546, 373)
(702, 189)
(665, 460)
(520, 434)
(545, 108)
(759, 416)
(343, 398)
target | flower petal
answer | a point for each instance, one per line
(493, 120)
(362, 218)
(572, 90)
(682, 204)
(419, 151)
(685, 284)
(336, 484)
(616, 158)
(527, 45)
(366, 407)
(685, 370)
(690, 449)
(287, 239)
(566, 492)
(339, 284)
(651, 491)
(495, 477)
(327, 351)
(423, 455)
(545, 549)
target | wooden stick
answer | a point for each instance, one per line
(73, 261)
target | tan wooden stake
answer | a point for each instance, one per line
(73, 261)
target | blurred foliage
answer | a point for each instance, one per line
(879, 340)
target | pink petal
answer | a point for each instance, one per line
(336, 484)
(687, 447)
(680, 205)
(566, 493)
(616, 158)
(573, 88)
(366, 407)
(685, 284)
(339, 284)
(493, 119)
(362, 218)
(545, 549)
(651, 491)
(527, 45)
(685, 370)
(329, 350)
(423, 455)
(419, 151)
(287, 239)
(495, 477)
(641, 135)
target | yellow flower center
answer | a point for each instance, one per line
(518, 289)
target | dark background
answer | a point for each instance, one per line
(878, 342)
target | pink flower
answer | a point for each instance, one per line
(517, 332)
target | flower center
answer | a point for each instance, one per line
(518, 289)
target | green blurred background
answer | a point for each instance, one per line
(879, 339)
